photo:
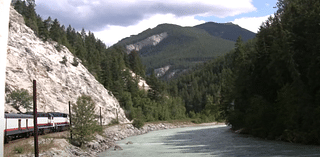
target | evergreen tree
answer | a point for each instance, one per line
(55, 31)
(84, 123)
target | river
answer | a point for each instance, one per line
(205, 141)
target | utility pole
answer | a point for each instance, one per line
(4, 26)
(35, 124)
(117, 115)
(100, 117)
(70, 124)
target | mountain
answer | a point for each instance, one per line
(58, 80)
(171, 49)
(174, 49)
(228, 31)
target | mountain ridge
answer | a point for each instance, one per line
(183, 47)
(228, 31)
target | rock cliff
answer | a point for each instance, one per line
(161, 71)
(150, 41)
(29, 58)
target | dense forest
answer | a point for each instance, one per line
(269, 86)
(112, 67)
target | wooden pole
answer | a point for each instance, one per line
(35, 123)
(117, 116)
(70, 120)
(100, 117)
(4, 26)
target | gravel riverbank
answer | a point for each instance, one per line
(106, 142)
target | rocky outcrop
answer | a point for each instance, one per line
(161, 71)
(150, 41)
(141, 82)
(29, 58)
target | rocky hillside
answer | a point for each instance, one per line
(29, 58)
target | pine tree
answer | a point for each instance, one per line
(55, 31)
(84, 123)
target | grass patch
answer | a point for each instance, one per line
(25, 146)
(113, 122)
(19, 150)
(22, 147)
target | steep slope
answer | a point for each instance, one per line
(176, 47)
(228, 31)
(29, 58)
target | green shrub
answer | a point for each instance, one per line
(114, 121)
(75, 62)
(138, 123)
(197, 121)
(64, 60)
(19, 150)
(58, 47)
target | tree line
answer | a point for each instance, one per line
(269, 86)
(276, 77)
(111, 66)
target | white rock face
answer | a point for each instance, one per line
(153, 40)
(142, 83)
(29, 58)
(161, 71)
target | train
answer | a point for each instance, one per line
(21, 125)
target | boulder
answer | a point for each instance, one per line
(117, 147)
(129, 142)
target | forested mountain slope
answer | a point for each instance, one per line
(178, 47)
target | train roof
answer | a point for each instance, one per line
(15, 115)
(58, 114)
(46, 114)
(39, 114)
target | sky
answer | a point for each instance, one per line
(113, 20)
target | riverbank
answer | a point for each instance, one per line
(56, 144)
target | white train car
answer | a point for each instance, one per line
(21, 125)
(18, 125)
(44, 122)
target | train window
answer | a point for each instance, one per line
(27, 123)
(19, 124)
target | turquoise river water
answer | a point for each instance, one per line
(206, 141)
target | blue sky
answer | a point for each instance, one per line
(264, 8)
(113, 20)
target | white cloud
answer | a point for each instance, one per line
(112, 34)
(251, 23)
(112, 20)
(95, 14)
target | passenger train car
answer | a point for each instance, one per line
(21, 125)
